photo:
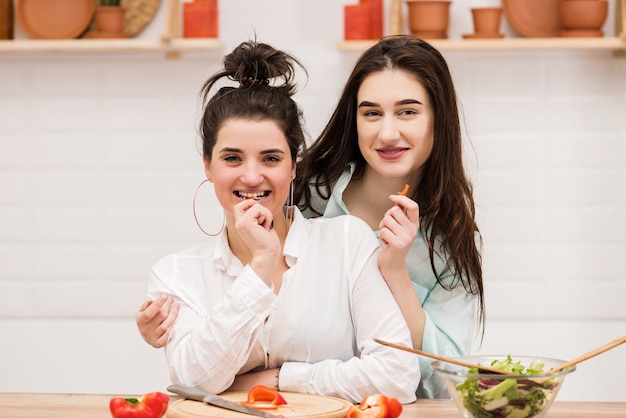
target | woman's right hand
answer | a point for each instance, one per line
(155, 319)
(254, 223)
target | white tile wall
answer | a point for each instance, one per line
(99, 162)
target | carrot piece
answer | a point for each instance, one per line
(405, 190)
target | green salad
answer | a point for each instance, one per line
(506, 398)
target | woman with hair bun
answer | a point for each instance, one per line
(276, 299)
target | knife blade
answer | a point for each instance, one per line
(190, 392)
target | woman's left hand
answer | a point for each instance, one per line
(398, 230)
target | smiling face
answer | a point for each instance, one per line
(394, 124)
(251, 159)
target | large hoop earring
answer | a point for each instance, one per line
(289, 209)
(195, 215)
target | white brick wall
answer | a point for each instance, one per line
(98, 165)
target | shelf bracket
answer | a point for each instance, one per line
(172, 28)
(620, 26)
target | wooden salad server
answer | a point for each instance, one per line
(590, 354)
(445, 359)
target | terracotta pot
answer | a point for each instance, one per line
(429, 18)
(486, 20)
(585, 15)
(110, 19)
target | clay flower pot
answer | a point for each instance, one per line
(582, 17)
(487, 20)
(110, 19)
(429, 19)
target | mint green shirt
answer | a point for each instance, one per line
(450, 314)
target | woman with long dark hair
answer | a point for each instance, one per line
(396, 123)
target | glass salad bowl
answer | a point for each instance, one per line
(528, 393)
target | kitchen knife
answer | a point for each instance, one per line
(190, 392)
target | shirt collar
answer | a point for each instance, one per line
(225, 260)
(298, 232)
(223, 257)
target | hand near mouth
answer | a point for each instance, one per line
(254, 224)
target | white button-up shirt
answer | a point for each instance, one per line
(319, 328)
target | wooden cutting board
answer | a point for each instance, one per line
(298, 405)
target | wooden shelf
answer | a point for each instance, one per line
(99, 46)
(616, 44)
(175, 46)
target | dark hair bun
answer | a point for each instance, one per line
(256, 64)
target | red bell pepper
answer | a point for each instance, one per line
(262, 397)
(376, 406)
(151, 405)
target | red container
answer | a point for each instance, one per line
(356, 22)
(376, 17)
(200, 19)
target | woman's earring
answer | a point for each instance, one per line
(290, 207)
(195, 215)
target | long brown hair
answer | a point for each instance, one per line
(444, 195)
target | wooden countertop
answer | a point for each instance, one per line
(68, 405)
